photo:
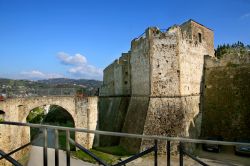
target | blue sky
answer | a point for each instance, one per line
(78, 38)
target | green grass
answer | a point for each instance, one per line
(108, 158)
(109, 154)
(230, 64)
(24, 159)
(62, 141)
(115, 150)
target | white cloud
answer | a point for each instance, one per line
(79, 66)
(247, 15)
(35, 74)
(66, 59)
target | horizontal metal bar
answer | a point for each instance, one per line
(10, 159)
(152, 96)
(194, 158)
(136, 156)
(14, 151)
(146, 137)
(88, 152)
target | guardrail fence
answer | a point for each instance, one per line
(154, 149)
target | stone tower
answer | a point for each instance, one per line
(166, 69)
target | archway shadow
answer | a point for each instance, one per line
(52, 115)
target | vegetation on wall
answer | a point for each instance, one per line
(36, 115)
(237, 47)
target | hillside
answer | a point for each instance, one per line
(27, 87)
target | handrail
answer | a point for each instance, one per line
(16, 150)
(10, 159)
(136, 156)
(69, 141)
(147, 137)
(88, 152)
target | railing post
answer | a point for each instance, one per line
(56, 148)
(45, 146)
(155, 150)
(168, 153)
(67, 147)
(181, 153)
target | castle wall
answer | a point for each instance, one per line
(108, 87)
(226, 97)
(191, 60)
(165, 70)
(140, 66)
(122, 75)
(114, 100)
(111, 116)
(116, 79)
(166, 78)
(164, 114)
(140, 91)
(191, 31)
(177, 71)
(134, 122)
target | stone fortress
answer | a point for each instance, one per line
(169, 83)
(161, 75)
(157, 87)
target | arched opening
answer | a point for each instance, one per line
(50, 115)
(2, 114)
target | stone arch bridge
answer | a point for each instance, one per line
(82, 110)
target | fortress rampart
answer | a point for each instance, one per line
(156, 85)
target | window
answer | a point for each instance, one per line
(2, 113)
(199, 35)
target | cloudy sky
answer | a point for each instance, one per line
(78, 38)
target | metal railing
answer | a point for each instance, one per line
(182, 150)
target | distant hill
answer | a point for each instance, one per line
(67, 81)
(89, 87)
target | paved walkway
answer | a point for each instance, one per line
(36, 158)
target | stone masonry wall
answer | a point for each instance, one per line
(111, 116)
(166, 77)
(226, 98)
(84, 113)
(114, 100)
(140, 90)
(175, 74)
(191, 52)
